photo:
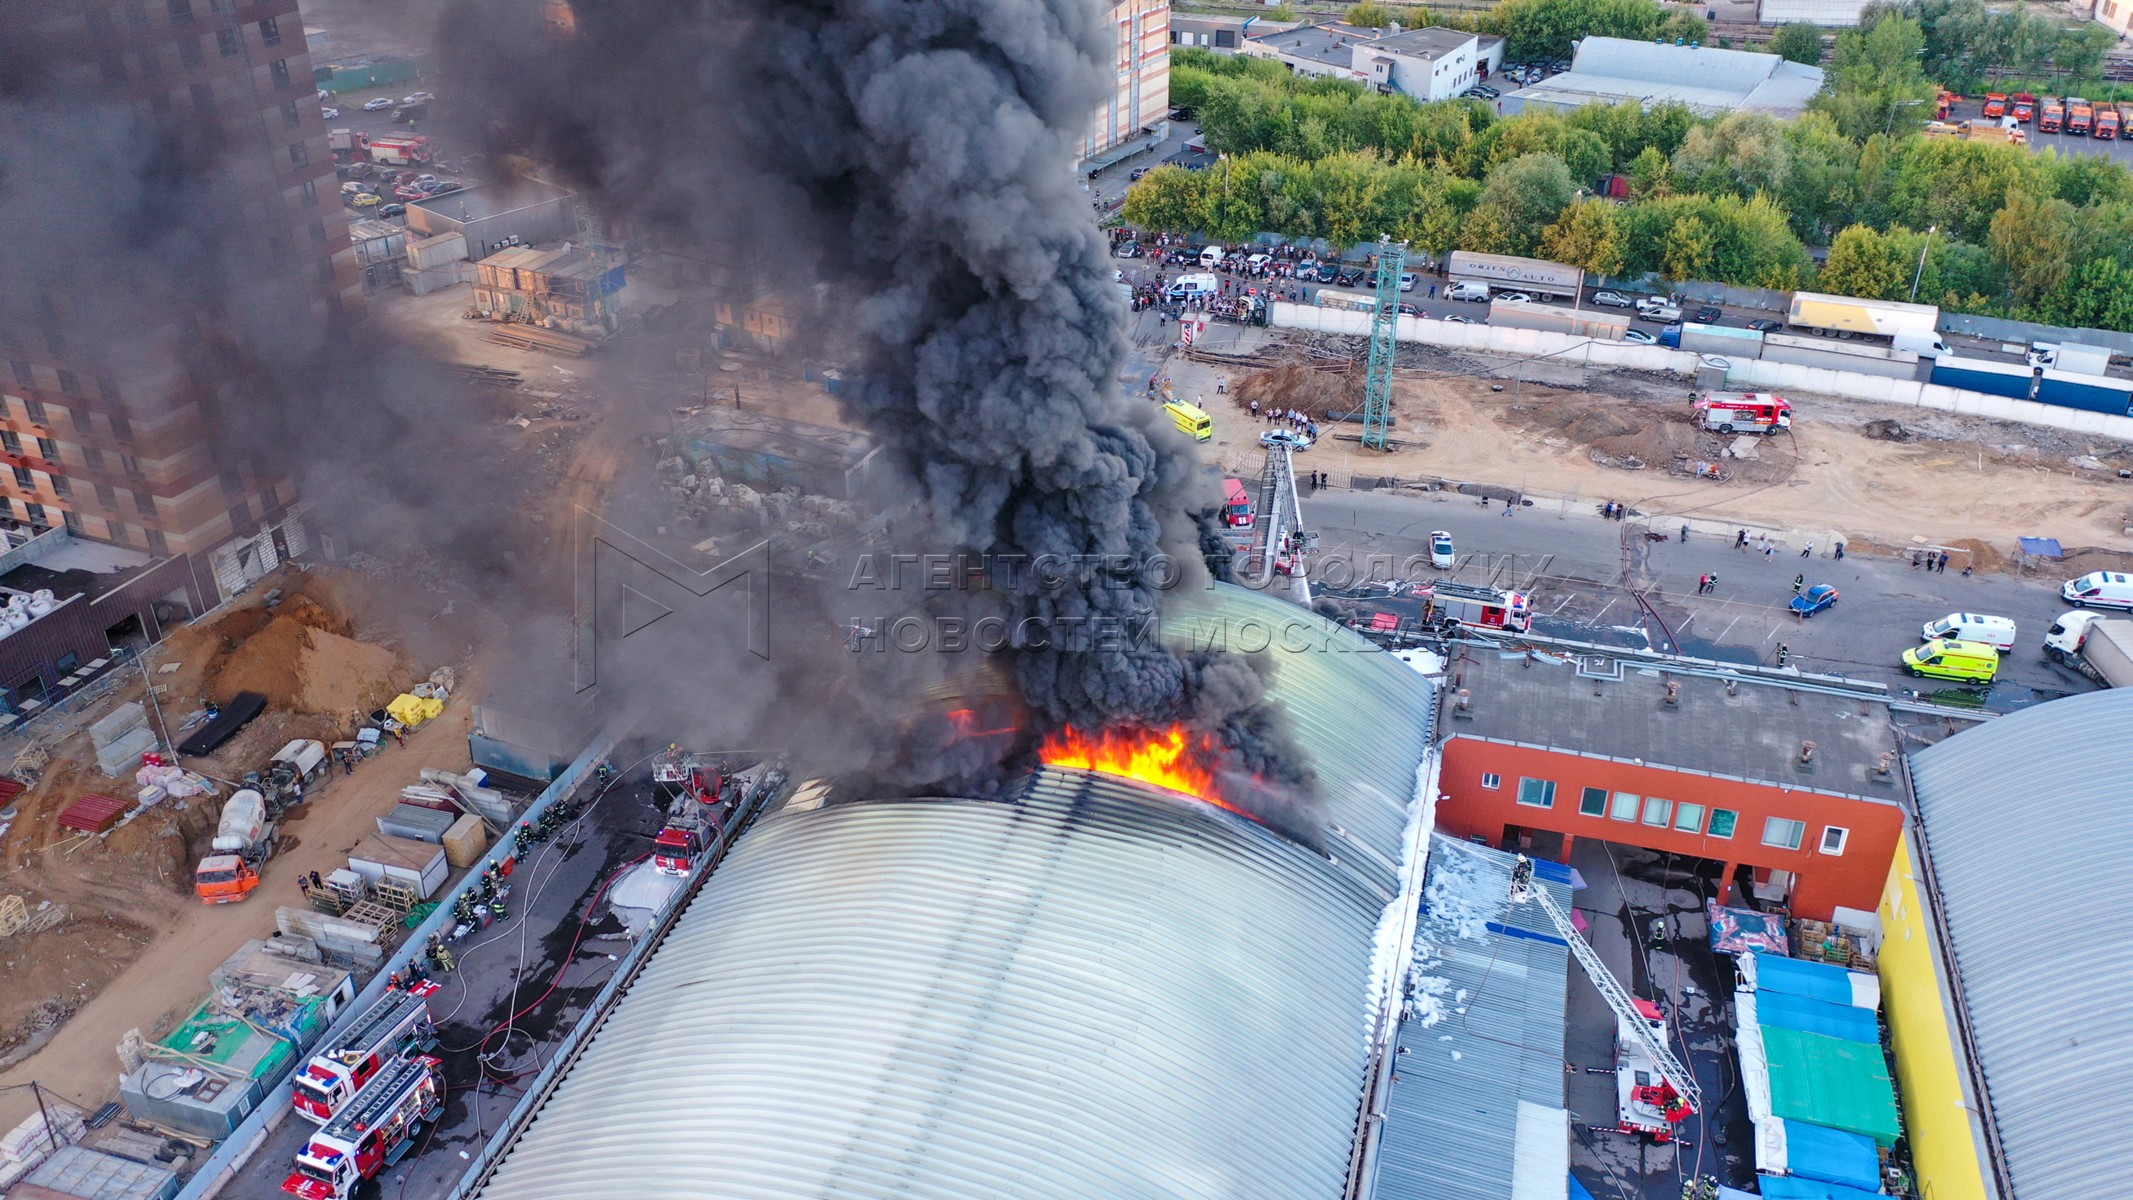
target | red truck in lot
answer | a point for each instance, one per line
(1995, 105)
(2025, 107)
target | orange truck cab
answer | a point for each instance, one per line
(2106, 121)
(224, 879)
(2025, 107)
(1995, 104)
(1945, 105)
(2051, 115)
(2079, 116)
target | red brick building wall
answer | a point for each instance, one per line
(1848, 869)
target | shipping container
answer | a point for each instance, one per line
(1539, 278)
(2090, 393)
(1863, 358)
(418, 864)
(1713, 339)
(1590, 322)
(1983, 375)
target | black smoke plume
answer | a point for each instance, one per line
(918, 159)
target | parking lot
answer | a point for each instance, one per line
(1973, 108)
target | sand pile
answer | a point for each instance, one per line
(1306, 389)
(301, 659)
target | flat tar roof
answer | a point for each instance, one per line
(1328, 43)
(1423, 43)
(482, 201)
(1614, 708)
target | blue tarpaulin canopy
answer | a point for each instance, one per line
(1578, 1191)
(2042, 547)
(1828, 1155)
(1792, 1187)
(1799, 977)
(1817, 1016)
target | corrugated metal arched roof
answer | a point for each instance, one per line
(2026, 820)
(1098, 991)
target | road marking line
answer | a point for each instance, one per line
(1565, 604)
(1603, 610)
(1728, 629)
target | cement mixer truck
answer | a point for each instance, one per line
(244, 840)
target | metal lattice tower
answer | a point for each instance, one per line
(1384, 318)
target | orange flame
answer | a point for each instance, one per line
(1172, 758)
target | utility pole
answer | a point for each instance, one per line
(1384, 322)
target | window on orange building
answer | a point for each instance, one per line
(1784, 833)
(1537, 793)
(1656, 811)
(1593, 803)
(1833, 839)
(1491, 781)
(1722, 822)
(1625, 808)
(1688, 818)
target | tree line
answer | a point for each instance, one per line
(1737, 199)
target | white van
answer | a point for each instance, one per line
(1467, 291)
(1924, 345)
(1211, 257)
(1996, 632)
(2099, 589)
(1193, 287)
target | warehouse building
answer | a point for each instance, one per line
(1428, 64)
(517, 212)
(1088, 987)
(2003, 970)
(1708, 81)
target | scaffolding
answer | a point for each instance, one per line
(1384, 322)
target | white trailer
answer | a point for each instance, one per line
(1592, 323)
(1850, 316)
(2099, 647)
(1507, 272)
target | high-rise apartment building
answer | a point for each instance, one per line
(175, 286)
(1136, 114)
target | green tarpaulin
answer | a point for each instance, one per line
(1833, 1082)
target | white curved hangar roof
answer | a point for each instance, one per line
(1098, 992)
(2025, 821)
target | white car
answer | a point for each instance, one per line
(1514, 298)
(1441, 554)
(1612, 300)
(1256, 261)
(418, 97)
(2040, 354)
(378, 105)
(1408, 280)
(1637, 337)
(331, 114)
(1282, 437)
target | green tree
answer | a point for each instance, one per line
(1798, 42)
(1876, 84)
(1530, 192)
(1691, 250)
(1488, 231)
(1863, 263)
(1168, 199)
(2033, 240)
(1281, 12)
(1370, 15)
(1684, 28)
(1651, 175)
(1590, 234)
(1742, 154)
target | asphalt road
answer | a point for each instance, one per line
(1575, 565)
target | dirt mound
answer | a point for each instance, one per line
(299, 662)
(1656, 445)
(1310, 390)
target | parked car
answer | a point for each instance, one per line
(1411, 310)
(1612, 300)
(1456, 319)
(1815, 599)
(1707, 315)
(418, 97)
(444, 187)
(378, 105)
(330, 113)
(1408, 280)
(1308, 271)
(1128, 250)
(1486, 92)
(392, 210)
(1947, 659)
(1441, 553)
(1513, 298)
(1765, 325)
(1283, 437)
(1255, 261)
(1637, 337)
(363, 200)
(1135, 175)
(1348, 278)
(1996, 632)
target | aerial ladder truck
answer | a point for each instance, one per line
(1654, 1091)
(397, 1025)
(371, 1132)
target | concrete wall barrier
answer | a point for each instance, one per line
(1745, 374)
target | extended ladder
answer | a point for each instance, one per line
(1611, 990)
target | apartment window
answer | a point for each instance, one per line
(278, 70)
(278, 247)
(181, 10)
(232, 482)
(132, 466)
(144, 504)
(226, 42)
(122, 429)
(117, 531)
(93, 456)
(299, 153)
(241, 521)
(1593, 803)
(48, 450)
(1688, 818)
(189, 51)
(60, 485)
(107, 496)
(1625, 806)
(36, 411)
(68, 384)
(112, 69)
(1784, 833)
(11, 441)
(1723, 821)
(157, 543)
(307, 193)
(24, 375)
(318, 232)
(218, 5)
(73, 520)
(289, 114)
(269, 31)
(1536, 793)
(37, 514)
(1491, 781)
(1833, 839)
(1656, 811)
(24, 480)
(135, 11)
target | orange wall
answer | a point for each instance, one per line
(1853, 879)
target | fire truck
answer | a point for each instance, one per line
(690, 826)
(397, 1025)
(1481, 607)
(372, 1132)
(1745, 412)
(394, 149)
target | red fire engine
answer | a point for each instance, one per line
(1745, 412)
(398, 1024)
(371, 1132)
(690, 826)
(1482, 607)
